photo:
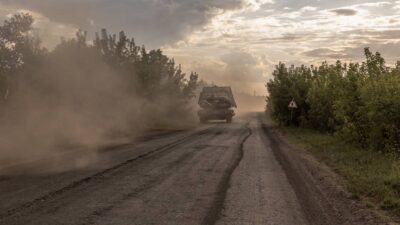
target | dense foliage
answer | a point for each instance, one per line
(358, 101)
(149, 76)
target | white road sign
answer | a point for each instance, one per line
(293, 104)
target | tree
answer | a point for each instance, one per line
(360, 102)
(288, 84)
(17, 48)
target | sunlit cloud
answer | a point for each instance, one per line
(256, 4)
(49, 31)
(397, 5)
(307, 35)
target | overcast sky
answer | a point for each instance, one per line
(233, 42)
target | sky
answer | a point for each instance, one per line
(229, 42)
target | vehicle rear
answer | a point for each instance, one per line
(217, 103)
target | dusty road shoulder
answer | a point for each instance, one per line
(319, 190)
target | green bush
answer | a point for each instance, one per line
(358, 101)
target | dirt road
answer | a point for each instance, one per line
(216, 174)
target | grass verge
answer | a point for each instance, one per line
(370, 175)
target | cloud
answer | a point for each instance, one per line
(308, 8)
(154, 22)
(243, 67)
(389, 51)
(383, 35)
(257, 4)
(243, 71)
(324, 53)
(375, 4)
(287, 37)
(344, 12)
(396, 5)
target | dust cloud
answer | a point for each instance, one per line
(74, 103)
(249, 103)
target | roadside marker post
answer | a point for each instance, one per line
(292, 106)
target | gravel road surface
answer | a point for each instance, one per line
(215, 174)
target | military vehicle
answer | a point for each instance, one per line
(217, 103)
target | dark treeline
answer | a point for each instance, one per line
(151, 72)
(81, 91)
(358, 101)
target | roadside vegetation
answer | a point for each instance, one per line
(370, 175)
(83, 92)
(348, 115)
(150, 75)
(27, 68)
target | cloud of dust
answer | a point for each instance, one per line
(249, 103)
(72, 102)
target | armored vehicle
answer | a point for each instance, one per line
(217, 103)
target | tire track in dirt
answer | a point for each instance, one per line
(214, 212)
(97, 177)
(141, 189)
(305, 192)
